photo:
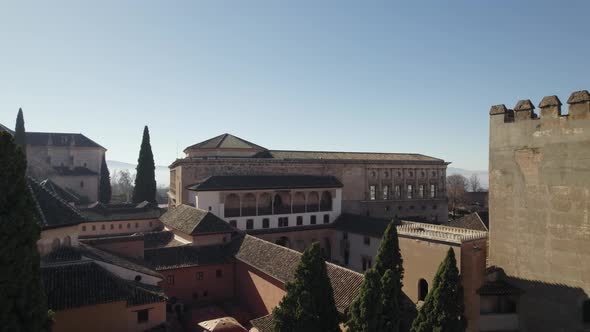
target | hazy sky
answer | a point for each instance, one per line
(313, 75)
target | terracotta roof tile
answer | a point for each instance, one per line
(471, 221)
(190, 220)
(51, 210)
(186, 256)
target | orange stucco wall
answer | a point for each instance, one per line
(186, 283)
(114, 316)
(256, 291)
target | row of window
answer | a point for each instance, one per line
(112, 226)
(385, 193)
(399, 174)
(283, 221)
(200, 275)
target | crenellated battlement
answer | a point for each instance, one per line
(550, 109)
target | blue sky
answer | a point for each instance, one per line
(332, 75)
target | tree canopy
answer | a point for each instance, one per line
(104, 189)
(366, 311)
(145, 179)
(20, 136)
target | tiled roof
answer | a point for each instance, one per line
(263, 324)
(52, 211)
(471, 221)
(63, 193)
(75, 171)
(128, 263)
(6, 129)
(186, 256)
(250, 182)
(223, 324)
(288, 229)
(60, 139)
(499, 287)
(225, 141)
(280, 263)
(86, 284)
(359, 224)
(102, 212)
(193, 221)
(360, 156)
(112, 239)
(157, 239)
(62, 254)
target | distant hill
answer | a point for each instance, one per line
(162, 172)
(483, 175)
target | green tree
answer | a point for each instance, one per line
(23, 305)
(391, 308)
(443, 307)
(309, 303)
(104, 190)
(365, 314)
(389, 256)
(20, 137)
(145, 179)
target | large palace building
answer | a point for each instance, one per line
(388, 185)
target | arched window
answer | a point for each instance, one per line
(67, 241)
(298, 202)
(312, 201)
(264, 204)
(422, 289)
(282, 203)
(232, 206)
(326, 201)
(249, 205)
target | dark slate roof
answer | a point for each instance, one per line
(193, 221)
(75, 171)
(250, 182)
(64, 193)
(109, 257)
(87, 284)
(118, 212)
(160, 239)
(6, 129)
(352, 156)
(112, 239)
(280, 263)
(187, 256)
(471, 221)
(51, 210)
(62, 254)
(288, 229)
(264, 323)
(225, 141)
(60, 139)
(369, 226)
(499, 287)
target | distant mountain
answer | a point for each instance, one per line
(162, 172)
(482, 175)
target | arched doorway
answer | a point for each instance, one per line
(264, 204)
(326, 201)
(422, 289)
(312, 202)
(282, 203)
(249, 205)
(232, 206)
(298, 202)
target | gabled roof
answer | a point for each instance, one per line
(86, 284)
(51, 210)
(75, 171)
(225, 141)
(193, 221)
(112, 258)
(471, 221)
(223, 324)
(112, 212)
(60, 139)
(187, 256)
(254, 182)
(280, 263)
(63, 193)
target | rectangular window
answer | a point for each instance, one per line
(346, 257)
(250, 224)
(233, 223)
(136, 225)
(410, 191)
(219, 273)
(284, 222)
(367, 241)
(433, 191)
(372, 193)
(112, 226)
(398, 192)
(265, 223)
(93, 227)
(364, 262)
(421, 191)
(299, 220)
(345, 236)
(385, 192)
(103, 227)
(83, 228)
(143, 316)
(170, 280)
(326, 218)
(200, 275)
(120, 226)
(312, 220)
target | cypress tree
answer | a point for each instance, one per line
(104, 190)
(145, 178)
(309, 303)
(391, 308)
(20, 137)
(443, 307)
(366, 310)
(389, 256)
(23, 306)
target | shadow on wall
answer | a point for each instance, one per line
(552, 307)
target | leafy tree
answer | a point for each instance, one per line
(309, 303)
(20, 137)
(104, 190)
(23, 306)
(456, 188)
(390, 288)
(443, 307)
(145, 180)
(367, 309)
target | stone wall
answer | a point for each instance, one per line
(539, 208)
